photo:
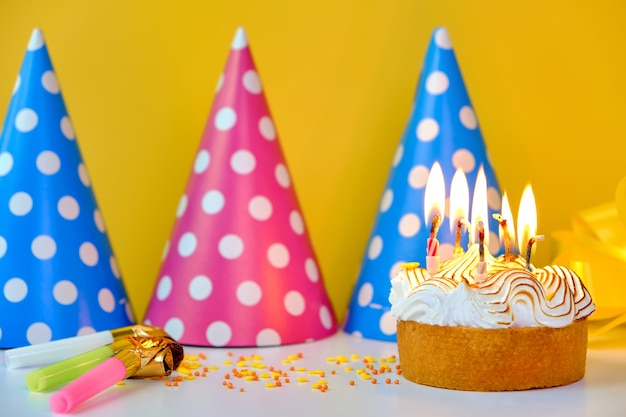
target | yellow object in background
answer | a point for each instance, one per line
(596, 249)
(546, 81)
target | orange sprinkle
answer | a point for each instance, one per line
(205, 369)
(286, 380)
(398, 366)
(230, 385)
(374, 371)
(399, 372)
(388, 381)
(373, 380)
(271, 368)
(285, 374)
(241, 389)
(168, 384)
(175, 383)
(224, 383)
(322, 374)
(292, 368)
(226, 376)
(278, 384)
(203, 374)
(332, 372)
(396, 382)
(299, 355)
(196, 373)
(276, 377)
(351, 382)
(202, 355)
(230, 353)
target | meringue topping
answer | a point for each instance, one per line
(511, 296)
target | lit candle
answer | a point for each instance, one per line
(481, 241)
(510, 230)
(531, 241)
(434, 203)
(480, 211)
(480, 227)
(459, 207)
(458, 250)
(505, 236)
(481, 267)
(433, 244)
(526, 221)
(526, 217)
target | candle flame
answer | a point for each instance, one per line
(526, 218)
(459, 198)
(480, 211)
(434, 194)
(507, 214)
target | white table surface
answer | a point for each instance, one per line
(601, 393)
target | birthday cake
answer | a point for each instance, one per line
(518, 327)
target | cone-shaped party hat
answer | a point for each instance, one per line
(58, 275)
(239, 268)
(442, 128)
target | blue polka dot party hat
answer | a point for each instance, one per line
(58, 275)
(442, 128)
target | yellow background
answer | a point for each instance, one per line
(547, 80)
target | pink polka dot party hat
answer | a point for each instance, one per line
(58, 275)
(239, 268)
(442, 128)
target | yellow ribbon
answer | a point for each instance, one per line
(595, 249)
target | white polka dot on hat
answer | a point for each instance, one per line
(241, 270)
(58, 275)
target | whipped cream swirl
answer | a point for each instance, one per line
(511, 296)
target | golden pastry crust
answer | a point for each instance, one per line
(510, 359)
